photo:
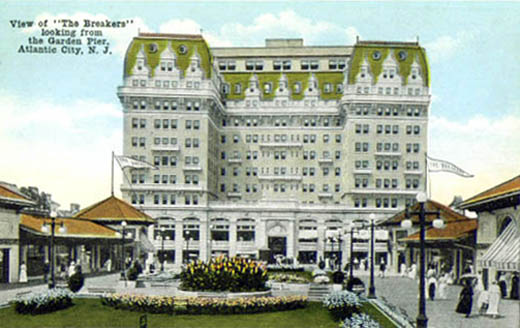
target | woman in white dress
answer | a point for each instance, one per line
(403, 269)
(443, 282)
(413, 272)
(23, 273)
(494, 299)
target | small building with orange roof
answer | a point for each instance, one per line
(498, 235)
(449, 249)
(111, 213)
(12, 201)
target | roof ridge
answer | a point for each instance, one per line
(488, 190)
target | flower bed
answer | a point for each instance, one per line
(224, 274)
(48, 301)
(361, 320)
(193, 305)
(342, 304)
(289, 278)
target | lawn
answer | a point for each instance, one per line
(90, 313)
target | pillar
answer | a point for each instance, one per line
(321, 241)
(290, 239)
(179, 243)
(232, 238)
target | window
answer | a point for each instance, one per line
(338, 154)
(188, 124)
(297, 87)
(237, 88)
(327, 88)
(142, 142)
(325, 138)
(236, 138)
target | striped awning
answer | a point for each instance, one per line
(504, 253)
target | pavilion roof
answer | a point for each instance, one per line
(113, 210)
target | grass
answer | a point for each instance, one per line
(373, 312)
(90, 313)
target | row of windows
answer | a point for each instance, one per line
(267, 87)
(165, 199)
(281, 155)
(166, 84)
(171, 199)
(382, 202)
(281, 187)
(167, 105)
(188, 142)
(388, 91)
(394, 147)
(386, 111)
(278, 65)
(326, 122)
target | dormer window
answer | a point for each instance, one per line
(327, 88)
(163, 66)
(315, 65)
(238, 88)
(268, 87)
(140, 64)
(225, 88)
(286, 64)
(297, 87)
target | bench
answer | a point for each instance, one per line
(101, 290)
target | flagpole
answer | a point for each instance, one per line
(112, 178)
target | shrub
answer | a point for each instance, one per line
(359, 320)
(342, 304)
(48, 301)
(194, 305)
(224, 274)
(338, 277)
(76, 281)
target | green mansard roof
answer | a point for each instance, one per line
(411, 50)
(191, 42)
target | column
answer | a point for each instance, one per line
(321, 241)
(232, 238)
(179, 244)
(290, 239)
(204, 237)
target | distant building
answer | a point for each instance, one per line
(265, 151)
(12, 201)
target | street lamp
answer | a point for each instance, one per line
(61, 229)
(123, 271)
(351, 264)
(372, 288)
(422, 320)
(163, 237)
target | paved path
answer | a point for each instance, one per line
(402, 292)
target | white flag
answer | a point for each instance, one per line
(437, 165)
(125, 161)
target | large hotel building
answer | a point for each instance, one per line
(276, 149)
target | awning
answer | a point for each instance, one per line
(504, 253)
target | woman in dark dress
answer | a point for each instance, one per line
(465, 299)
(514, 287)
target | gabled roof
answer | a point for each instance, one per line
(453, 231)
(113, 209)
(75, 228)
(9, 193)
(446, 214)
(505, 189)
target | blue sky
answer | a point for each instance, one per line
(62, 118)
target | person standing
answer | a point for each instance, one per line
(482, 301)
(465, 299)
(432, 286)
(494, 299)
(514, 287)
(23, 273)
(502, 284)
(382, 268)
(443, 282)
(403, 269)
(46, 269)
(72, 268)
(413, 271)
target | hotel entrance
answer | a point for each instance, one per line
(4, 265)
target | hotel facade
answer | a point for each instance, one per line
(274, 150)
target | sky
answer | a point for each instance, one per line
(61, 117)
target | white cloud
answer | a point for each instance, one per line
(119, 38)
(487, 147)
(63, 149)
(286, 24)
(445, 47)
(189, 26)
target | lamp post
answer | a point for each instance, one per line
(351, 264)
(162, 249)
(422, 320)
(51, 229)
(123, 233)
(372, 288)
